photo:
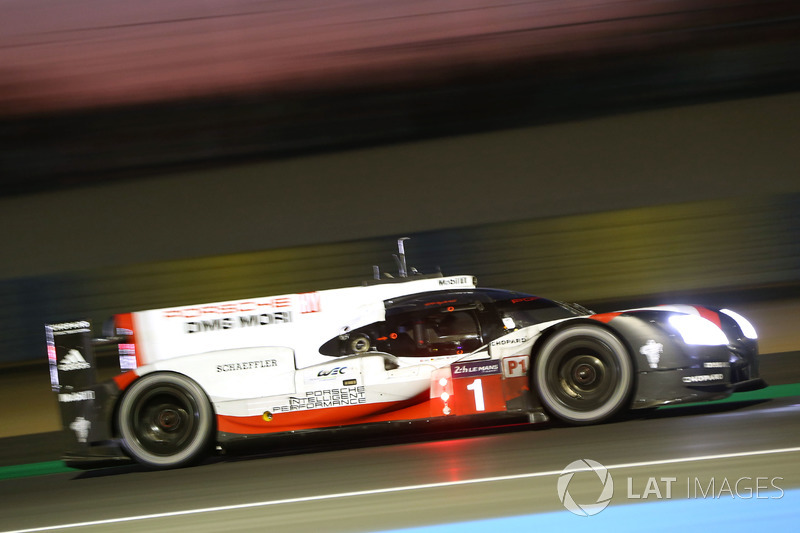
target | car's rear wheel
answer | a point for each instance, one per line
(583, 374)
(165, 421)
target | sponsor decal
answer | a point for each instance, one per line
(127, 356)
(327, 374)
(319, 399)
(232, 308)
(81, 427)
(54, 378)
(591, 508)
(80, 396)
(73, 360)
(652, 350)
(309, 302)
(245, 321)
(703, 378)
(528, 299)
(440, 303)
(127, 362)
(349, 382)
(515, 367)
(127, 349)
(453, 281)
(247, 365)
(475, 368)
(70, 327)
(717, 364)
(339, 370)
(507, 342)
(51, 353)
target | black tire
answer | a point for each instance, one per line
(583, 375)
(166, 421)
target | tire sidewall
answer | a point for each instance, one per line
(198, 444)
(621, 360)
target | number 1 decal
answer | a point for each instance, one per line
(477, 388)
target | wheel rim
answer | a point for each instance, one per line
(165, 420)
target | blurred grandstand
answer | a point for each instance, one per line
(93, 90)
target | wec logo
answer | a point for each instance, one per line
(587, 509)
(338, 371)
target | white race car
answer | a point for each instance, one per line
(412, 348)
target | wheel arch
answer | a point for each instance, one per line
(548, 333)
(566, 324)
(118, 401)
(202, 442)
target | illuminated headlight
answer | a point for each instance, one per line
(698, 330)
(744, 324)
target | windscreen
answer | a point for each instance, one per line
(530, 310)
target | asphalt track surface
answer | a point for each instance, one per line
(396, 482)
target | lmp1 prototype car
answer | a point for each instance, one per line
(414, 348)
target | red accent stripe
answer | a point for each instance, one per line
(422, 407)
(124, 381)
(605, 317)
(708, 314)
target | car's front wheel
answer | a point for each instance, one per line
(583, 374)
(165, 421)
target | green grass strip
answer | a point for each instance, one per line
(34, 469)
(768, 393)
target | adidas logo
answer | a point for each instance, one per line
(73, 361)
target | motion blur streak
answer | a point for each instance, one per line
(92, 52)
(399, 489)
(657, 252)
(178, 84)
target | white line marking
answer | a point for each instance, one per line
(388, 490)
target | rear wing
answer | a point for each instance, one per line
(83, 402)
(70, 354)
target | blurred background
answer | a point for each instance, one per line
(155, 154)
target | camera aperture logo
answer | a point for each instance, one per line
(655, 488)
(591, 508)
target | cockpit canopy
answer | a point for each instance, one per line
(435, 324)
